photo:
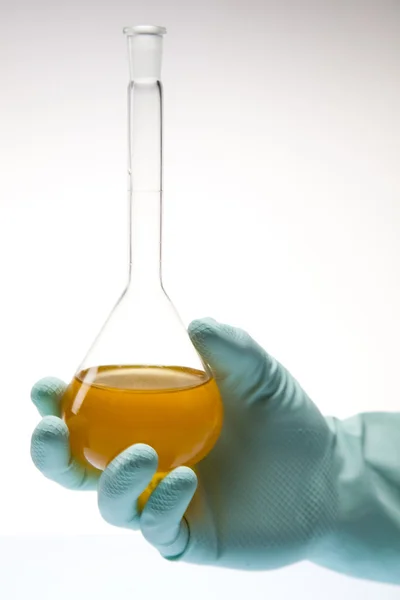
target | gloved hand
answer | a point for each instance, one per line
(283, 484)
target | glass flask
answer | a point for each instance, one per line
(142, 380)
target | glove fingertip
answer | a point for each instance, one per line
(173, 492)
(128, 474)
(50, 444)
(46, 395)
(138, 456)
(182, 479)
(205, 334)
(204, 326)
(51, 429)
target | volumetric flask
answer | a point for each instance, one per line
(142, 380)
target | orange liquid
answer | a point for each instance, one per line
(175, 410)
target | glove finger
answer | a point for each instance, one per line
(245, 373)
(241, 367)
(226, 349)
(162, 521)
(123, 481)
(51, 454)
(46, 395)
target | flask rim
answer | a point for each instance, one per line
(147, 29)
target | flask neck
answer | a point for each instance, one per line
(145, 182)
(145, 240)
(145, 155)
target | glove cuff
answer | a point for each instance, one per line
(366, 540)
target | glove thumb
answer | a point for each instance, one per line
(226, 349)
(232, 353)
(245, 372)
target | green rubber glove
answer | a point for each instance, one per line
(283, 484)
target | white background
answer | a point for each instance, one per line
(282, 216)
